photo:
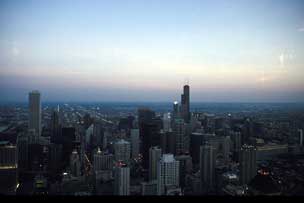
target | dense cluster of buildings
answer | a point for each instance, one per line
(74, 150)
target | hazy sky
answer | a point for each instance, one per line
(145, 50)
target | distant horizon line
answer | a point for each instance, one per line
(194, 102)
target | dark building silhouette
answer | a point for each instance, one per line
(196, 140)
(151, 138)
(185, 106)
(145, 115)
(248, 165)
(68, 143)
(55, 124)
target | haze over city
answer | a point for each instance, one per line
(229, 51)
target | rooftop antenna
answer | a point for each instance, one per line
(186, 82)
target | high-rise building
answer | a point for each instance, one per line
(196, 140)
(55, 157)
(151, 138)
(122, 150)
(8, 168)
(55, 125)
(35, 112)
(154, 157)
(185, 100)
(68, 139)
(167, 173)
(185, 167)
(75, 164)
(248, 165)
(23, 152)
(207, 167)
(103, 161)
(179, 129)
(98, 135)
(237, 144)
(149, 188)
(145, 115)
(166, 122)
(175, 113)
(135, 142)
(300, 131)
(122, 179)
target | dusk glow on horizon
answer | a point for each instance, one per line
(76, 50)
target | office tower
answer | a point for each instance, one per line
(8, 168)
(179, 129)
(103, 161)
(196, 140)
(35, 112)
(126, 123)
(135, 142)
(145, 115)
(166, 122)
(98, 135)
(68, 137)
(122, 179)
(207, 167)
(87, 120)
(122, 150)
(22, 150)
(89, 137)
(248, 166)
(247, 131)
(237, 144)
(55, 157)
(185, 167)
(185, 100)
(151, 138)
(55, 124)
(149, 188)
(167, 173)
(154, 157)
(175, 113)
(300, 133)
(75, 164)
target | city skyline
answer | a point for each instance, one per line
(236, 51)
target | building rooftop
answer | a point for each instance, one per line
(122, 141)
(168, 158)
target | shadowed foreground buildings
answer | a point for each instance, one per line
(8, 168)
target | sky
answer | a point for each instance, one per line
(146, 50)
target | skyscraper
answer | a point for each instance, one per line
(122, 150)
(166, 122)
(154, 156)
(185, 167)
(167, 173)
(300, 133)
(151, 138)
(207, 167)
(145, 115)
(122, 179)
(185, 107)
(35, 112)
(75, 164)
(55, 125)
(180, 131)
(135, 142)
(175, 112)
(102, 161)
(248, 166)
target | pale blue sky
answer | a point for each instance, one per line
(120, 50)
